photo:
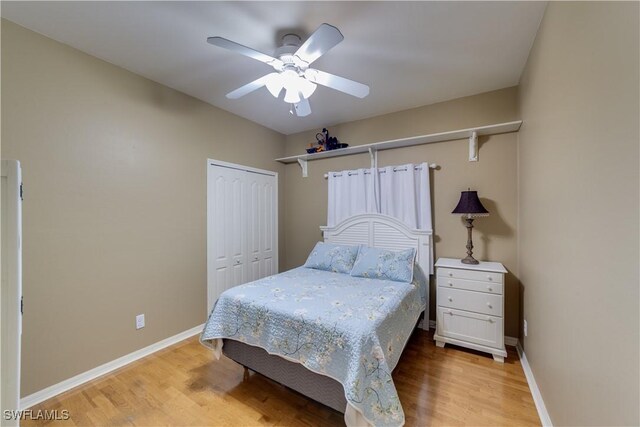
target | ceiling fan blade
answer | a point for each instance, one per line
(303, 108)
(249, 87)
(338, 83)
(243, 50)
(319, 43)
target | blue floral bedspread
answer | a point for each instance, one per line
(351, 329)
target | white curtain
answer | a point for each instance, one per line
(402, 192)
(405, 194)
(350, 193)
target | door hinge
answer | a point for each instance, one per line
(21, 198)
(22, 305)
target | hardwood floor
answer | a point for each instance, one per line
(183, 385)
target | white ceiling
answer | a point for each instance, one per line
(409, 53)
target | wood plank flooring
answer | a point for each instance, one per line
(184, 386)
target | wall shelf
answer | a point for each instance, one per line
(373, 148)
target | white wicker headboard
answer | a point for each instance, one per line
(382, 231)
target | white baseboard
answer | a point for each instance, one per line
(545, 419)
(51, 391)
(510, 341)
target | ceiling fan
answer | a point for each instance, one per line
(292, 73)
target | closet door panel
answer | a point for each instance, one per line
(236, 239)
(226, 253)
(253, 226)
(236, 218)
(267, 235)
(219, 235)
(220, 207)
(261, 225)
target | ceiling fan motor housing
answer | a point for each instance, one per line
(291, 40)
(290, 45)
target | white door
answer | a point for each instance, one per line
(269, 224)
(261, 212)
(254, 207)
(241, 226)
(11, 294)
(226, 219)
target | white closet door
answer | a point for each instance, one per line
(227, 243)
(262, 225)
(254, 209)
(242, 228)
(268, 230)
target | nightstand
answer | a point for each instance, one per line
(470, 306)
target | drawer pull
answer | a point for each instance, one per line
(489, 278)
(450, 274)
(450, 312)
(489, 305)
(489, 288)
(489, 319)
(450, 299)
(450, 283)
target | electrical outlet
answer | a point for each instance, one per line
(140, 321)
(525, 328)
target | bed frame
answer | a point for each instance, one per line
(373, 230)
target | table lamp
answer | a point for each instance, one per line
(470, 208)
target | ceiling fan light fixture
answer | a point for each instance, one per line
(295, 84)
(274, 84)
(306, 87)
(290, 79)
(292, 96)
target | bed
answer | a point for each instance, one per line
(331, 336)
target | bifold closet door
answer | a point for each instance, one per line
(261, 226)
(241, 227)
(227, 247)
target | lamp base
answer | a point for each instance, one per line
(470, 260)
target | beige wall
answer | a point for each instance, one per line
(114, 169)
(494, 176)
(578, 203)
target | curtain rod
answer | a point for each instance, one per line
(431, 166)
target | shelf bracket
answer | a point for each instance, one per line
(473, 147)
(303, 166)
(373, 153)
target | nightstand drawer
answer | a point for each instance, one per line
(483, 276)
(470, 301)
(470, 285)
(470, 327)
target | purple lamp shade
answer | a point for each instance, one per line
(470, 205)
